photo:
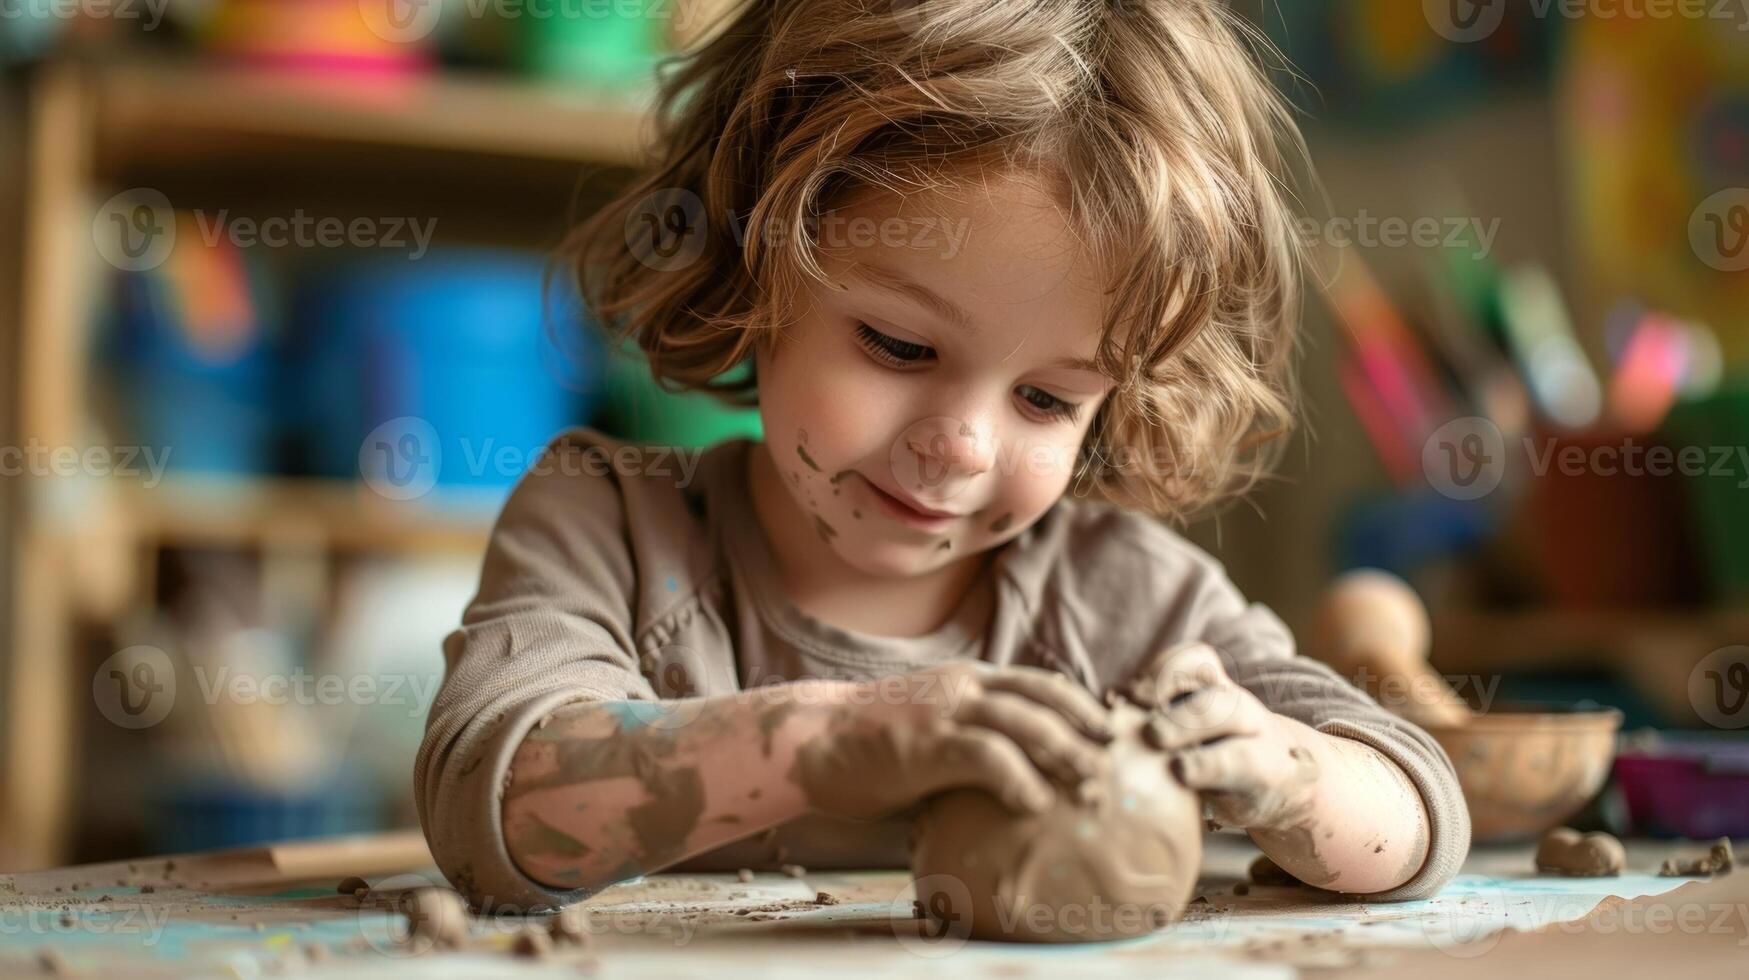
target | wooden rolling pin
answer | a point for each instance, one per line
(1373, 629)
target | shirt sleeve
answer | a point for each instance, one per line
(551, 624)
(1258, 651)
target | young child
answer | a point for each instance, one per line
(1017, 279)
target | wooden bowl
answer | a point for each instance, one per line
(1526, 769)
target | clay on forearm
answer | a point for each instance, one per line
(604, 791)
(1364, 828)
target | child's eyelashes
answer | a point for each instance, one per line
(1049, 405)
(891, 350)
(902, 353)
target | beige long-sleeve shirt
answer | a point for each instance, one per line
(619, 571)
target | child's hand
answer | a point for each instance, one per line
(890, 742)
(1248, 762)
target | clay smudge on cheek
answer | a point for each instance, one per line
(856, 513)
(802, 451)
(944, 546)
(827, 533)
(1002, 524)
(839, 476)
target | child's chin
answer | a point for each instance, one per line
(896, 559)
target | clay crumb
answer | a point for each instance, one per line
(148, 889)
(532, 944)
(352, 885)
(794, 870)
(1568, 853)
(744, 874)
(1719, 860)
(916, 909)
(1242, 888)
(436, 915)
(822, 898)
(50, 962)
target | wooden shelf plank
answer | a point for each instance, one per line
(201, 511)
(145, 106)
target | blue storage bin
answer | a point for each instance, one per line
(205, 393)
(452, 362)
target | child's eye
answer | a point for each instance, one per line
(891, 350)
(1049, 404)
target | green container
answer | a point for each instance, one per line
(1720, 425)
(599, 42)
(634, 407)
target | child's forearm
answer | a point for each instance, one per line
(606, 791)
(1364, 828)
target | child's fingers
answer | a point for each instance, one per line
(1181, 670)
(1049, 739)
(1057, 692)
(1224, 767)
(1202, 716)
(980, 758)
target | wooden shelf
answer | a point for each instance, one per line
(225, 512)
(146, 109)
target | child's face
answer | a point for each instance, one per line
(874, 395)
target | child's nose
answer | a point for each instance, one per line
(963, 446)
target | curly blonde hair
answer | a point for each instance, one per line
(1154, 119)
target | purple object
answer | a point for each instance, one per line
(1696, 788)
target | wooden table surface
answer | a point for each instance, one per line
(275, 911)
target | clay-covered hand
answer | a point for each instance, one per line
(1249, 764)
(1010, 731)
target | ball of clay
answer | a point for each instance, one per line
(1117, 858)
(1565, 851)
